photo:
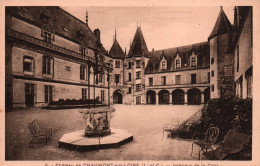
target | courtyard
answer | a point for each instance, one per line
(144, 122)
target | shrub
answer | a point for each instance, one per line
(226, 113)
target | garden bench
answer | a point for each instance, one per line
(209, 140)
(171, 127)
(39, 135)
(234, 142)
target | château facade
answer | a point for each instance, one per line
(50, 55)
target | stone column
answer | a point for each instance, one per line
(185, 98)
(202, 97)
(170, 98)
(157, 98)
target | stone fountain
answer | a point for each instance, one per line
(97, 133)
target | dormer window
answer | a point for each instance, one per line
(177, 61)
(82, 50)
(178, 64)
(193, 60)
(47, 36)
(163, 65)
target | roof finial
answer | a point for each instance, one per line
(221, 7)
(125, 50)
(115, 34)
(87, 17)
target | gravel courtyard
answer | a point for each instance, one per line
(145, 122)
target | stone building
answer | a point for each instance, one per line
(51, 55)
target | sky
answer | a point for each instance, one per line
(162, 27)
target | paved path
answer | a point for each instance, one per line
(143, 121)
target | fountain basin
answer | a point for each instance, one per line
(77, 141)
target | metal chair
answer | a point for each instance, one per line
(234, 142)
(171, 127)
(209, 140)
(39, 133)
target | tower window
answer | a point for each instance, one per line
(138, 75)
(212, 61)
(117, 64)
(138, 64)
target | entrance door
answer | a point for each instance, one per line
(150, 97)
(30, 92)
(178, 96)
(194, 96)
(163, 97)
(117, 98)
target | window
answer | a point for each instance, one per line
(47, 36)
(84, 93)
(177, 79)
(48, 93)
(163, 80)
(129, 90)
(117, 65)
(129, 65)
(138, 100)
(150, 81)
(178, 64)
(117, 78)
(83, 73)
(47, 67)
(193, 62)
(193, 78)
(138, 87)
(212, 73)
(82, 50)
(102, 95)
(163, 65)
(212, 60)
(67, 68)
(129, 76)
(100, 78)
(241, 86)
(208, 77)
(138, 75)
(248, 75)
(212, 88)
(237, 58)
(138, 64)
(28, 64)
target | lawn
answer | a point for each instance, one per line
(145, 122)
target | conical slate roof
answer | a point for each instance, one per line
(138, 47)
(222, 25)
(116, 51)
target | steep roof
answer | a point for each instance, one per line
(200, 49)
(138, 46)
(222, 25)
(59, 21)
(116, 50)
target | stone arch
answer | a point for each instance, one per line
(117, 97)
(150, 97)
(164, 97)
(194, 96)
(178, 96)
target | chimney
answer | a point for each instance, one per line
(87, 17)
(97, 34)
